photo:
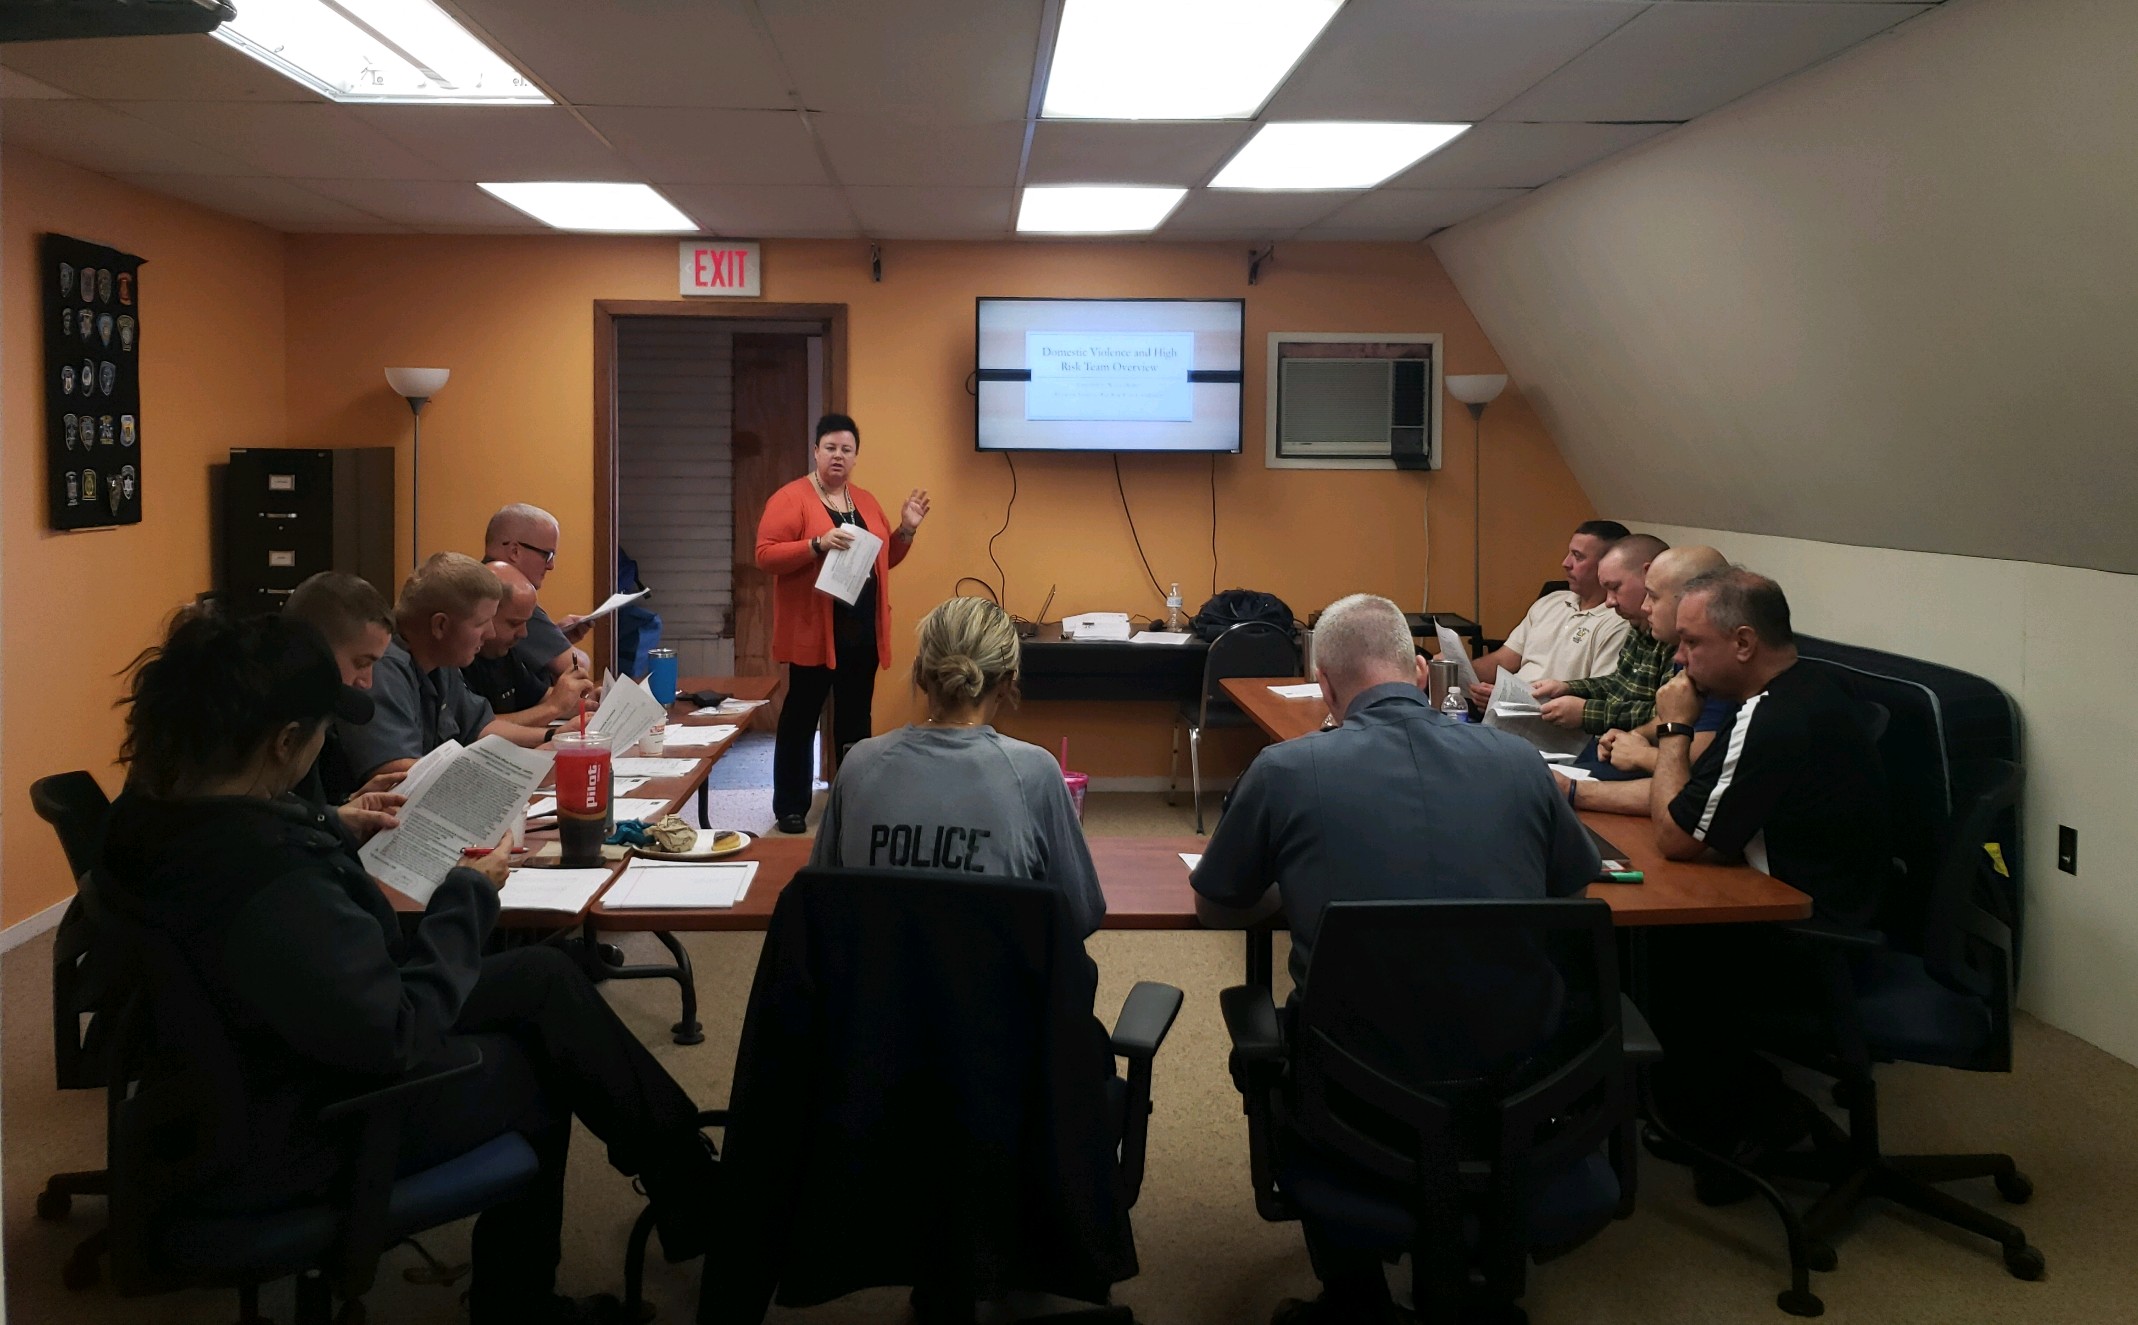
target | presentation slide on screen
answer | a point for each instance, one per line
(1109, 375)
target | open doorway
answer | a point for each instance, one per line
(701, 413)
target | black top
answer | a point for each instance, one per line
(1795, 786)
(510, 683)
(849, 625)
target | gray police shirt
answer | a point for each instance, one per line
(1398, 803)
(543, 642)
(959, 798)
(413, 713)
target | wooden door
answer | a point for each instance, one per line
(771, 449)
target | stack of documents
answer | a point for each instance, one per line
(551, 890)
(663, 884)
(1160, 637)
(695, 737)
(650, 768)
(1096, 625)
(456, 798)
(1514, 708)
(1309, 690)
(846, 569)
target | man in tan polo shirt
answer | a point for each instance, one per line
(1568, 633)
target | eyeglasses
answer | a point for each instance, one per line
(547, 554)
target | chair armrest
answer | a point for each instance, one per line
(1146, 1016)
(1636, 1037)
(401, 1087)
(1827, 933)
(1257, 1041)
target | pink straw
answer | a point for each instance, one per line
(1065, 754)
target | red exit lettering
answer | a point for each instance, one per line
(722, 268)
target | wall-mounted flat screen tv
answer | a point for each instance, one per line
(1110, 374)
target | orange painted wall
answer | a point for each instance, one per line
(513, 319)
(77, 607)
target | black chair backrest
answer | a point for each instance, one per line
(1251, 648)
(1552, 587)
(1434, 1033)
(75, 805)
(1967, 944)
(1876, 719)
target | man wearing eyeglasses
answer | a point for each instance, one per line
(525, 538)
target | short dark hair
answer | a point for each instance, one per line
(1610, 531)
(1739, 597)
(832, 423)
(204, 702)
(338, 605)
(1637, 549)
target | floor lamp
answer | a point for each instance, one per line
(417, 386)
(1477, 390)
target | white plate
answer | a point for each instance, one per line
(703, 851)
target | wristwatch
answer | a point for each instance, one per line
(814, 550)
(1663, 729)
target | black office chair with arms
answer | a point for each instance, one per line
(1251, 648)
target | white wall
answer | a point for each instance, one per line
(2064, 643)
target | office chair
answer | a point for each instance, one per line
(1456, 1084)
(923, 1098)
(1250, 648)
(172, 1125)
(1949, 1004)
(75, 805)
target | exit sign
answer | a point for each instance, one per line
(730, 267)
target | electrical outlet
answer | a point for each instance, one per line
(2067, 849)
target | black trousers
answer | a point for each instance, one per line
(552, 1049)
(851, 685)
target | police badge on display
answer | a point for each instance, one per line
(92, 377)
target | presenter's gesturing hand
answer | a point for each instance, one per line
(914, 511)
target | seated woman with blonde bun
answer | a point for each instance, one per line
(951, 792)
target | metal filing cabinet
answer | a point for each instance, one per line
(290, 513)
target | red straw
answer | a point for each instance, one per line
(1065, 754)
(582, 713)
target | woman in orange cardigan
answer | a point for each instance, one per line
(829, 648)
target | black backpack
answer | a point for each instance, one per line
(1228, 609)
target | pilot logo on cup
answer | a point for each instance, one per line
(104, 284)
(126, 287)
(104, 430)
(66, 281)
(126, 430)
(126, 332)
(107, 376)
(66, 380)
(74, 489)
(104, 326)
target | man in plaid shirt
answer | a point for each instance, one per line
(1625, 697)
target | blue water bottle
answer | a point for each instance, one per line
(661, 674)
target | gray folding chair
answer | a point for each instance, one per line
(1251, 648)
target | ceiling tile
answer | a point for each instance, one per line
(18, 86)
(869, 149)
(189, 68)
(688, 146)
(753, 210)
(499, 142)
(275, 202)
(1496, 156)
(1447, 60)
(424, 203)
(1360, 234)
(931, 61)
(291, 139)
(1236, 209)
(943, 213)
(644, 53)
(1415, 212)
(1093, 152)
(1243, 234)
(1677, 61)
(91, 135)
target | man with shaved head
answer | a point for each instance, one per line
(520, 691)
(526, 538)
(1625, 696)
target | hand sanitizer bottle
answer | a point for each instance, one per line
(1174, 619)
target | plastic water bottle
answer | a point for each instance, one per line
(1174, 619)
(1454, 706)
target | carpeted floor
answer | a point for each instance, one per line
(2069, 1114)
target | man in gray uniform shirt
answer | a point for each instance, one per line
(1397, 803)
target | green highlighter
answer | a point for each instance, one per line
(1624, 876)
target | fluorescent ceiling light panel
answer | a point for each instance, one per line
(377, 51)
(607, 208)
(1333, 154)
(1176, 59)
(1094, 209)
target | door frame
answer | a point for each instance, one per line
(606, 311)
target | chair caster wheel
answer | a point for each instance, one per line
(2015, 1187)
(1819, 1257)
(81, 1271)
(1800, 1302)
(692, 1033)
(54, 1206)
(2025, 1262)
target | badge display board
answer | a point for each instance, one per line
(92, 384)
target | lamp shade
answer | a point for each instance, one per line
(423, 383)
(1469, 388)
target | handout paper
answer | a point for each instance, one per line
(469, 800)
(664, 883)
(1192, 858)
(637, 809)
(846, 569)
(1160, 637)
(1309, 690)
(728, 708)
(616, 600)
(1096, 625)
(628, 711)
(1453, 649)
(652, 768)
(1514, 709)
(678, 737)
(567, 890)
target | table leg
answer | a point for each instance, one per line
(688, 1030)
(1261, 958)
(705, 803)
